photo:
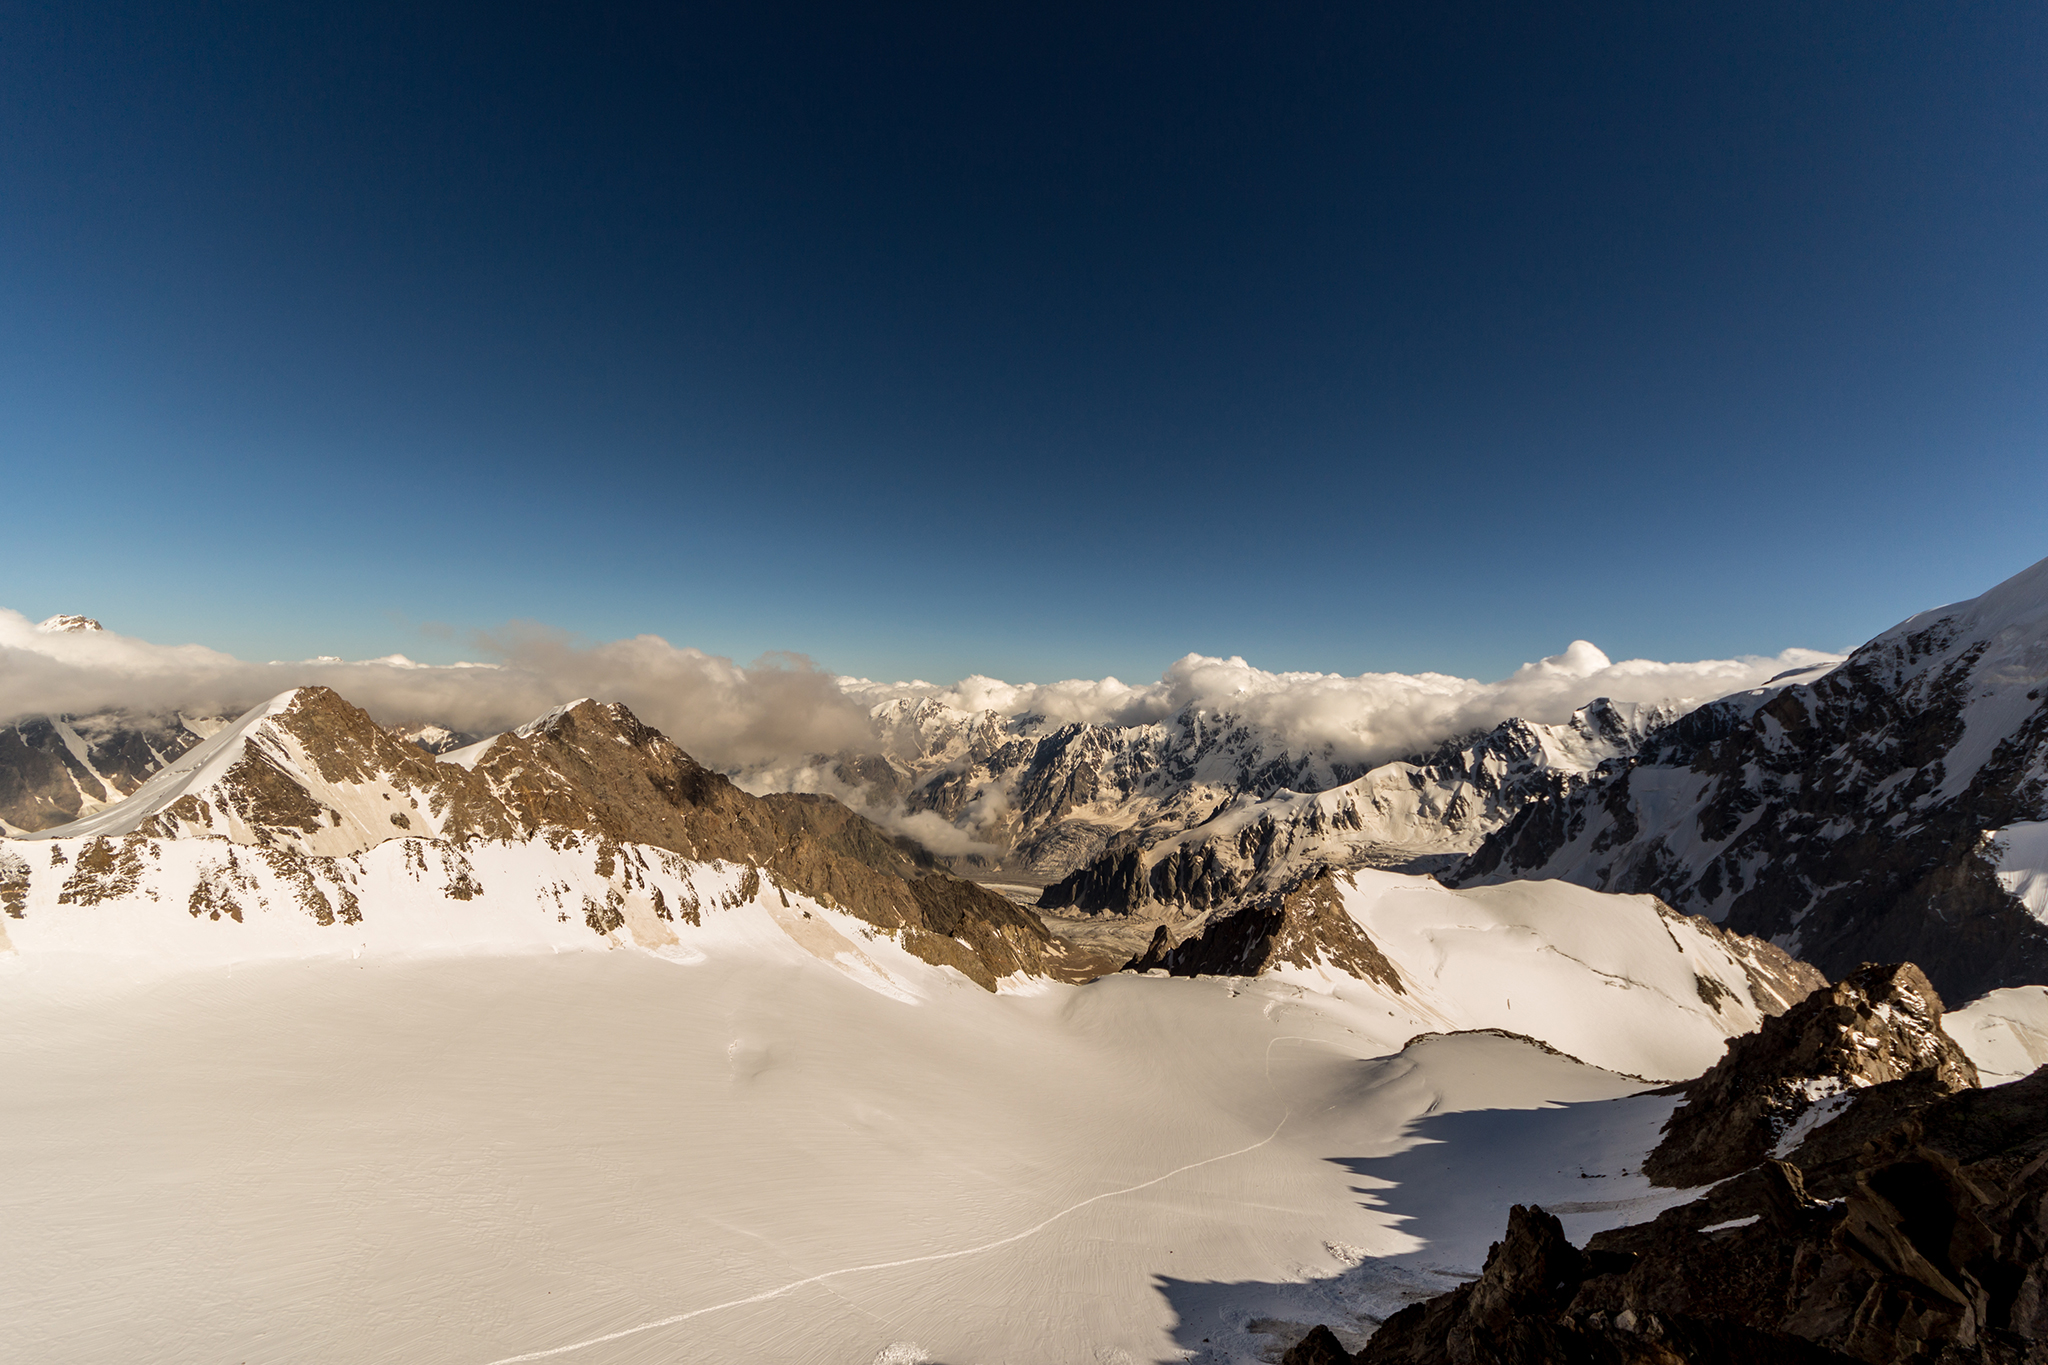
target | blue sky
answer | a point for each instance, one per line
(1037, 341)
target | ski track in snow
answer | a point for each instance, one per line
(794, 1285)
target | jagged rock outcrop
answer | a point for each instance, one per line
(310, 776)
(1319, 1347)
(1892, 808)
(1304, 926)
(1879, 1024)
(1420, 814)
(1909, 1225)
(1931, 1247)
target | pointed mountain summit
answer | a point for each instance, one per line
(308, 772)
(306, 775)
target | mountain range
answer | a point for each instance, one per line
(1894, 804)
(305, 827)
(313, 786)
(1606, 960)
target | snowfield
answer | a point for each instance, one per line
(499, 1107)
(2005, 1032)
(498, 1158)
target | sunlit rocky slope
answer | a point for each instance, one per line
(605, 819)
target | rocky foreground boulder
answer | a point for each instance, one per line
(1907, 1223)
(1878, 1024)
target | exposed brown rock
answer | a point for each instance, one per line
(590, 769)
(1911, 1230)
(1304, 926)
(594, 767)
(1882, 1023)
(14, 883)
(107, 869)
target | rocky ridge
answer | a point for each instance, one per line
(1801, 1069)
(1892, 807)
(310, 777)
(1905, 1221)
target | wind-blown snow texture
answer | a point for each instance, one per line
(1888, 810)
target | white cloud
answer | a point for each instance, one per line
(721, 712)
(779, 710)
(1369, 718)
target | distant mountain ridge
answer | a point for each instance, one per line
(1086, 804)
(1419, 814)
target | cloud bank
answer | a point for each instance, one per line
(724, 714)
(781, 709)
(1370, 718)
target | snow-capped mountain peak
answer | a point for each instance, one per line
(1886, 808)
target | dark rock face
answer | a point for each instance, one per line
(1508, 1316)
(1305, 925)
(840, 829)
(1913, 1227)
(1878, 1024)
(1934, 1250)
(1319, 1347)
(52, 766)
(1848, 816)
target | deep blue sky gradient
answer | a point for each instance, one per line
(1039, 341)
